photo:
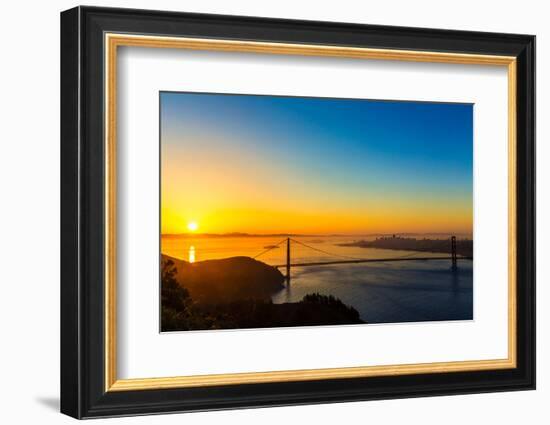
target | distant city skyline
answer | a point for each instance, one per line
(270, 164)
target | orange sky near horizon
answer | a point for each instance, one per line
(226, 197)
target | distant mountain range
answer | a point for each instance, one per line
(263, 235)
(229, 235)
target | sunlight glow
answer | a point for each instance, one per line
(192, 226)
(192, 257)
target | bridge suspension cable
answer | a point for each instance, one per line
(347, 258)
(331, 254)
(411, 255)
(269, 249)
(325, 252)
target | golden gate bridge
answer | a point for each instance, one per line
(346, 259)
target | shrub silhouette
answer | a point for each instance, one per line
(335, 303)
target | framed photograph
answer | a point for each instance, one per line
(261, 212)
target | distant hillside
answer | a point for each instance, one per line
(464, 247)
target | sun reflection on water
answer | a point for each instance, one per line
(191, 254)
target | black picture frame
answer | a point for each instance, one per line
(83, 392)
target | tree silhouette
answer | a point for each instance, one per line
(175, 300)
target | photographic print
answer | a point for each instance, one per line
(281, 211)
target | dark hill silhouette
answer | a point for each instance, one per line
(235, 293)
(228, 279)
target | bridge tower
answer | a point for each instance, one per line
(287, 260)
(453, 253)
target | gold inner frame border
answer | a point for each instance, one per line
(112, 41)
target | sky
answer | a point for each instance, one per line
(273, 164)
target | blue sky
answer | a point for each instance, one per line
(340, 149)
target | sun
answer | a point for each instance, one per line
(192, 226)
